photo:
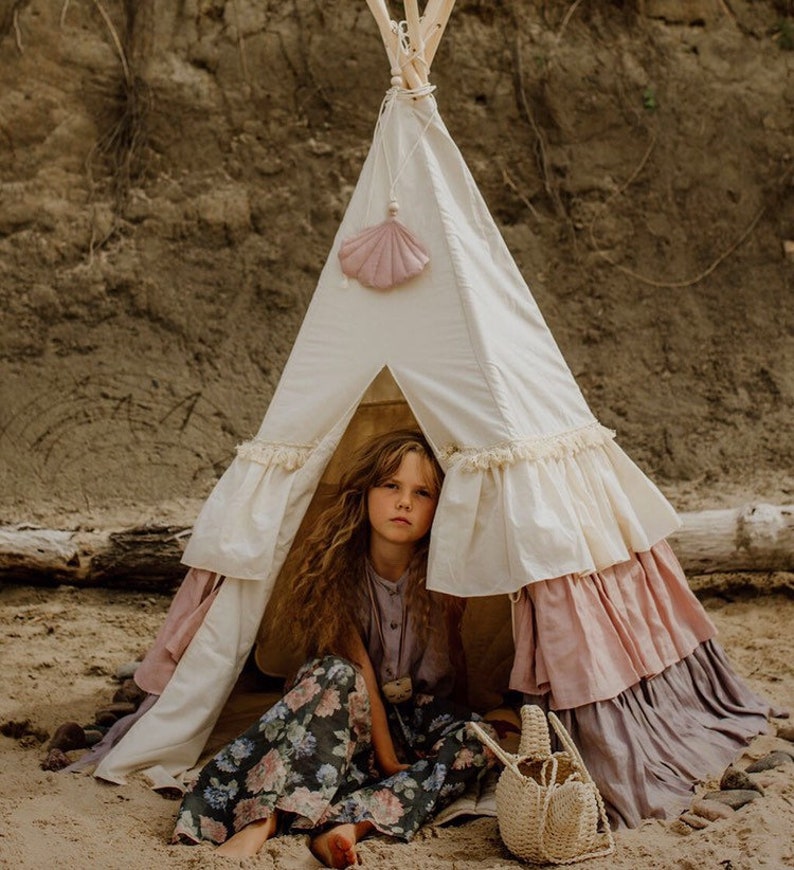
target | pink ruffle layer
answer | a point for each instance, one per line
(581, 639)
(186, 613)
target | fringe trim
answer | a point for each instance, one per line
(560, 446)
(290, 457)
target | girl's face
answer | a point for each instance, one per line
(401, 507)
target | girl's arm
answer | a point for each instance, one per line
(382, 742)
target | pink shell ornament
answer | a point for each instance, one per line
(383, 256)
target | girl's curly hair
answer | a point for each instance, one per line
(327, 591)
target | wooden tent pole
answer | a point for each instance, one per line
(436, 18)
(417, 54)
(382, 16)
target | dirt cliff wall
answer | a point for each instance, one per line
(172, 177)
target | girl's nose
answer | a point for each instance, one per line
(404, 500)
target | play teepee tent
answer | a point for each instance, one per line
(421, 311)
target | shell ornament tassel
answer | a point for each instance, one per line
(385, 255)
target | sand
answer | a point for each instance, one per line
(61, 648)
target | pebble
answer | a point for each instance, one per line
(734, 779)
(93, 736)
(694, 821)
(55, 760)
(67, 737)
(734, 798)
(786, 732)
(711, 810)
(126, 671)
(770, 761)
(119, 708)
(130, 692)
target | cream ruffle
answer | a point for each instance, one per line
(576, 511)
(246, 527)
(290, 457)
(558, 446)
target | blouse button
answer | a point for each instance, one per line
(389, 672)
(393, 625)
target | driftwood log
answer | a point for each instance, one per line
(753, 538)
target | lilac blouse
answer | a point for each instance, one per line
(400, 652)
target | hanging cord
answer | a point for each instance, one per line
(396, 91)
(514, 597)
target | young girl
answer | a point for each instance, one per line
(365, 740)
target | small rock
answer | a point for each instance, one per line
(67, 737)
(711, 810)
(56, 760)
(129, 692)
(734, 798)
(93, 736)
(734, 779)
(105, 718)
(119, 709)
(679, 827)
(694, 821)
(126, 671)
(786, 732)
(770, 761)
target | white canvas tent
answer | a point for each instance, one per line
(535, 487)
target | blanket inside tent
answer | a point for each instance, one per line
(542, 519)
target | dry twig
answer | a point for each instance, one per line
(18, 31)
(568, 15)
(687, 282)
(528, 115)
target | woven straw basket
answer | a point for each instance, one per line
(548, 807)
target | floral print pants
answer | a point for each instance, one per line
(311, 756)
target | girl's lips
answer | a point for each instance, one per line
(401, 520)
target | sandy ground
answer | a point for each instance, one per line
(61, 647)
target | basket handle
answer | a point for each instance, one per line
(535, 740)
(570, 746)
(485, 738)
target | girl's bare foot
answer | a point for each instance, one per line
(336, 847)
(250, 839)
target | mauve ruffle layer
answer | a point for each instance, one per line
(648, 747)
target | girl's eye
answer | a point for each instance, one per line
(389, 485)
(425, 493)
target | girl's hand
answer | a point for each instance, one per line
(382, 743)
(390, 766)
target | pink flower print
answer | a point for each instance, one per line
(247, 811)
(306, 689)
(212, 830)
(268, 774)
(304, 802)
(464, 758)
(385, 807)
(329, 703)
(359, 709)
